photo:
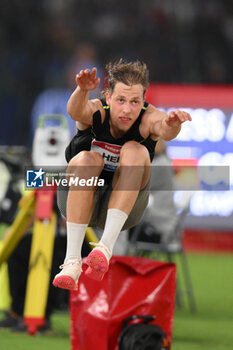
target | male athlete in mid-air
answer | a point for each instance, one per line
(117, 140)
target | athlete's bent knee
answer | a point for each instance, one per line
(133, 153)
(87, 158)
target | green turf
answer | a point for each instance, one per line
(211, 327)
(57, 340)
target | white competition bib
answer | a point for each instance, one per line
(109, 152)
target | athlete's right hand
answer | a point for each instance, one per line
(87, 80)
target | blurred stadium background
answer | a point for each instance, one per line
(183, 42)
(44, 44)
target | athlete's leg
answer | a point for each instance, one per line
(79, 209)
(132, 175)
(85, 165)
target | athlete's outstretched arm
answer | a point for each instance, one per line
(79, 107)
(167, 126)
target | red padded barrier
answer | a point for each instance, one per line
(131, 286)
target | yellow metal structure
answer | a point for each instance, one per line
(91, 236)
(5, 299)
(40, 256)
(39, 272)
(22, 221)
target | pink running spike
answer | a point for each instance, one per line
(65, 282)
(97, 265)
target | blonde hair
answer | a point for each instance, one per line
(128, 73)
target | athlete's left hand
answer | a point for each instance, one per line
(177, 117)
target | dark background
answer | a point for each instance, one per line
(183, 41)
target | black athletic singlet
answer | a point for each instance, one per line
(98, 138)
(108, 146)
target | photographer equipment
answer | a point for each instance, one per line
(142, 336)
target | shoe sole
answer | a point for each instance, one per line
(97, 265)
(65, 282)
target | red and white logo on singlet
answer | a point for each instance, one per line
(110, 153)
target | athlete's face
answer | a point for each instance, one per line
(125, 104)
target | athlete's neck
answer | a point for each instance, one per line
(116, 132)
